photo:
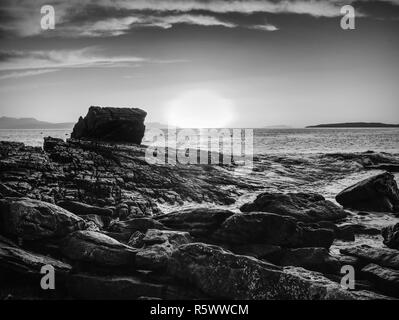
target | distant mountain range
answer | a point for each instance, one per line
(31, 123)
(356, 125)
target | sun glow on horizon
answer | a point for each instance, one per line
(200, 109)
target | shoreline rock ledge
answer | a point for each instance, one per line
(111, 124)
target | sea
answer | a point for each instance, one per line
(296, 160)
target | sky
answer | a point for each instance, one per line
(200, 63)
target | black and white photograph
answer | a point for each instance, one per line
(199, 151)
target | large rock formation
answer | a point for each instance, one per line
(111, 124)
(308, 207)
(379, 193)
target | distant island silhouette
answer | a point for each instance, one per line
(31, 123)
(356, 125)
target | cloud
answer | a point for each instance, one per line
(21, 74)
(264, 27)
(61, 59)
(312, 7)
(201, 20)
(108, 18)
(119, 26)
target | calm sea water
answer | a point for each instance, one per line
(271, 141)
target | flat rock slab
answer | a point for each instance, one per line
(97, 248)
(381, 256)
(33, 219)
(307, 207)
(379, 193)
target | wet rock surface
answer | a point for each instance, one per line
(112, 176)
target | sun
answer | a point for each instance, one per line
(199, 109)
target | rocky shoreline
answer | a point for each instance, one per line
(93, 210)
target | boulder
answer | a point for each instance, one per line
(97, 248)
(308, 207)
(33, 219)
(272, 229)
(24, 262)
(158, 247)
(379, 193)
(381, 256)
(200, 222)
(223, 275)
(391, 236)
(111, 124)
(386, 280)
(82, 209)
